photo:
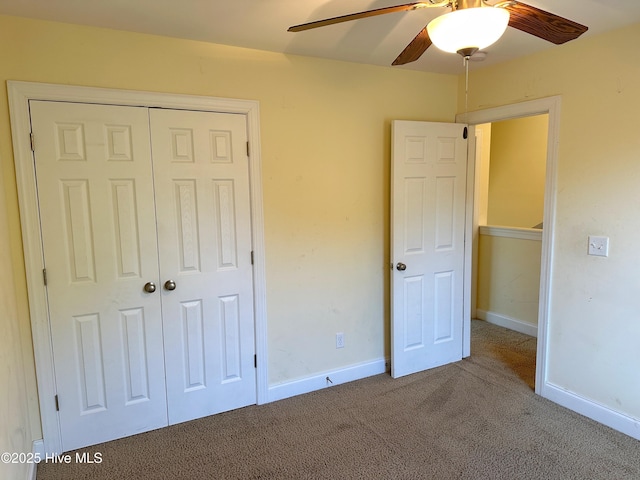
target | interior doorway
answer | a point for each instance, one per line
(511, 161)
(551, 107)
(511, 174)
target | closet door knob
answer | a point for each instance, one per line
(149, 287)
(401, 266)
(170, 285)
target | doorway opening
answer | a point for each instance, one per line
(511, 165)
(546, 106)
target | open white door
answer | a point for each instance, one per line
(428, 188)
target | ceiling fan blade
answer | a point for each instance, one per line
(415, 49)
(543, 24)
(356, 16)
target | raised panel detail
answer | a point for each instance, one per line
(226, 223)
(118, 143)
(187, 218)
(446, 149)
(90, 363)
(443, 306)
(415, 149)
(75, 194)
(414, 312)
(123, 194)
(135, 355)
(230, 321)
(220, 147)
(182, 145)
(70, 143)
(445, 196)
(414, 214)
(193, 345)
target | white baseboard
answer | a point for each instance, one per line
(319, 381)
(508, 322)
(618, 421)
(38, 451)
(32, 471)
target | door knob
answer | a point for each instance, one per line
(401, 266)
(170, 285)
(149, 287)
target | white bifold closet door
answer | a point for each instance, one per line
(145, 220)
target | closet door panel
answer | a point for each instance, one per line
(96, 201)
(204, 231)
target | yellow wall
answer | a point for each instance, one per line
(509, 278)
(593, 320)
(517, 173)
(483, 167)
(325, 148)
(511, 181)
(15, 419)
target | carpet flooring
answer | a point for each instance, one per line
(474, 419)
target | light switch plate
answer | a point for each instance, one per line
(598, 246)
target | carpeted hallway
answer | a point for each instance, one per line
(475, 419)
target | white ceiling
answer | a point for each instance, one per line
(262, 24)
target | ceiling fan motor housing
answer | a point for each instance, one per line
(462, 4)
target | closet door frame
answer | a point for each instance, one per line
(20, 93)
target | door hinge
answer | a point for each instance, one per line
(247, 149)
(31, 139)
(44, 276)
(251, 257)
(57, 404)
(465, 133)
(255, 361)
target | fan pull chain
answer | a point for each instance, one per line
(466, 87)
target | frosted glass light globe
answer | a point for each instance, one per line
(474, 28)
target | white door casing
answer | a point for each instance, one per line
(95, 189)
(204, 232)
(550, 106)
(20, 94)
(428, 191)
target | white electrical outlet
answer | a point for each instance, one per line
(598, 246)
(339, 340)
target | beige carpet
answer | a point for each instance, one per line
(475, 419)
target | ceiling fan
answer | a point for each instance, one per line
(521, 16)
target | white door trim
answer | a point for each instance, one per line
(551, 106)
(20, 93)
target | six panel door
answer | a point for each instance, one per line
(95, 191)
(428, 188)
(204, 231)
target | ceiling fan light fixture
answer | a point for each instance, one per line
(468, 29)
